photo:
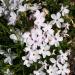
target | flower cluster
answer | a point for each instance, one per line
(12, 8)
(58, 66)
(40, 39)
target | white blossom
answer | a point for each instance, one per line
(26, 61)
(9, 57)
(62, 57)
(52, 70)
(34, 56)
(56, 39)
(44, 51)
(64, 10)
(57, 19)
(39, 17)
(63, 69)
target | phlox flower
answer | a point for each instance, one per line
(62, 57)
(63, 69)
(57, 19)
(52, 70)
(64, 10)
(56, 39)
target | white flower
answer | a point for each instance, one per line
(48, 29)
(39, 21)
(26, 61)
(34, 56)
(8, 60)
(63, 69)
(39, 17)
(36, 32)
(9, 57)
(64, 10)
(56, 39)
(38, 14)
(12, 18)
(39, 40)
(52, 70)
(57, 19)
(62, 57)
(44, 51)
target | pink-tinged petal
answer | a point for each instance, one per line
(68, 71)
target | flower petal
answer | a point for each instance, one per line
(58, 15)
(58, 24)
(53, 16)
(61, 20)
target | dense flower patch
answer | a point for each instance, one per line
(38, 48)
